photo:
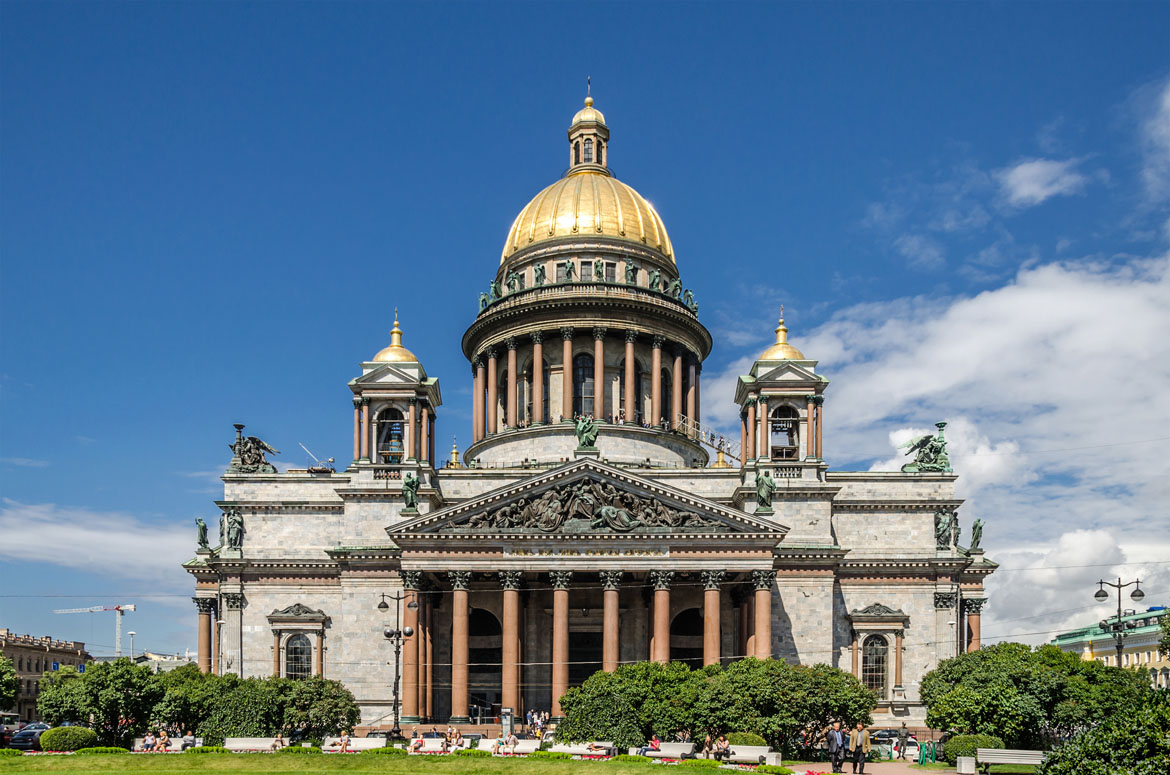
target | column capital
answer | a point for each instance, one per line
(763, 579)
(357, 401)
(713, 578)
(560, 578)
(537, 337)
(490, 353)
(411, 579)
(599, 332)
(944, 600)
(566, 332)
(510, 343)
(206, 605)
(973, 605)
(233, 601)
(657, 341)
(413, 400)
(631, 335)
(365, 401)
(661, 578)
(460, 579)
(817, 399)
(511, 579)
(611, 579)
(749, 401)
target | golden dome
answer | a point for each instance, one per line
(781, 351)
(395, 353)
(588, 202)
(588, 113)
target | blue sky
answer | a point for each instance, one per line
(209, 211)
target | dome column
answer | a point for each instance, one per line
(567, 373)
(656, 380)
(492, 392)
(676, 398)
(599, 408)
(511, 400)
(476, 400)
(698, 391)
(537, 378)
(692, 395)
(631, 413)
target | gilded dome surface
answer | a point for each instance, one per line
(395, 353)
(588, 113)
(781, 350)
(588, 202)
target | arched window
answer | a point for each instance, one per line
(873, 664)
(577, 153)
(583, 384)
(298, 657)
(391, 436)
(786, 424)
(636, 415)
(667, 397)
(600, 153)
(588, 151)
(528, 377)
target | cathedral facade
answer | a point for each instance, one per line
(594, 520)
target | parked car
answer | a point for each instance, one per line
(29, 738)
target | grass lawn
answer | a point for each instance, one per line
(1005, 769)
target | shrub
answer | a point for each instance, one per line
(388, 750)
(746, 738)
(68, 739)
(101, 749)
(208, 749)
(10, 752)
(772, 769)
(701, 763)
(965, 745)
(1137, 743)
(630, 758)
(471, 752)
(550, 755)
(298, 749)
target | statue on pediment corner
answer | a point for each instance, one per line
(586, 429)
(201, 532)
(976, 535)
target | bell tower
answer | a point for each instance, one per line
(588, 140)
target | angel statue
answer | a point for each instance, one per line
(930, 453)
(538, 275)
(655, 282)
(598, 271)
(631, 272)
(676, 288)
(248, 455)
(586, 429)
(570, 271)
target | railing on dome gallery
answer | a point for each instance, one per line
(590, 289)
(708, 436)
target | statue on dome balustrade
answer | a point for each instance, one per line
(676, 288)
(513, 282)
(689, 300)
(495, 292)
(930, 453)
(538, 273)
(599, 271)
(655, 280)
(484, 301)
(631, 272)
(570, 272)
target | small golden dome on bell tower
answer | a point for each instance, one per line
(395, 353)
(588, 140)
(781, 350)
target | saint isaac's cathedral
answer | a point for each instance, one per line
(594, 520)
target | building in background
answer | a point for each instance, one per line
(158, 663)
(1140, 644)
(32, 657)
(595, 519)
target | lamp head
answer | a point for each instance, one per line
(1137, 595)
(383, 606)
(407, 632)
(390, 632)
(1101, 595)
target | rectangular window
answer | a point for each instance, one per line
(610, 273)
(521, 278)
(560, 272)
(586, 271)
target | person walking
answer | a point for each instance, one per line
(836, 740)
(859, 745)
(903, 738)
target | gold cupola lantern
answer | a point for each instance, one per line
(781, 350)
(395, 353)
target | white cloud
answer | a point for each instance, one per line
(112, 543)
(24, 462)
(1155, 135)
(1031, 182)
(922, 252)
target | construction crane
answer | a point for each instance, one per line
(117, 609)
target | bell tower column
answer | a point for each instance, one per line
(424, 451)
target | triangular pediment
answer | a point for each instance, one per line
(787, 371)
(390, 374)
(587, 498)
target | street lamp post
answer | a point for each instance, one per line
(396, 635)
(131, 645)
(1117, 628)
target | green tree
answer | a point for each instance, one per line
(115, 697)
(252, 707)
(319, 707)
(188, 697)
(1133, 743)
(1164, 643)
(1029, 697)
(7, 683)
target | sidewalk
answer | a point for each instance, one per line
(871, 768)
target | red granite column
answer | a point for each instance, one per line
(855, 657)
(492, 396)
(205, 606)
(763, 580)
(510, 640)
(319, 662)
(537, 378)
(215, 630)
(712, 579)
(974, 608)
(411, 430)
(656, 380)
(676, 383)
(511, 399)
(567, 373)
(820, 428)
(480, 378)
(276, 654)
(764, 436)
(611, 636)
(357, 429)
(410, 583)
(750, 452)
(429, 661)
(475, 403)
(810, 449)
(600, 410)
(631, 409)
(742, 438)
(698, 392)
(560, 648)
(692, 394)
(459, 612)
(661, 580)
(898, 658)
(365, 429)
(425, 444)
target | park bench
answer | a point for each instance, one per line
(752, 754)
(582, 749)
(670, 751)
(244, 744)
(333, 744)
(989, 756)
(523, 747)
(433, 745)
